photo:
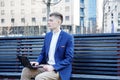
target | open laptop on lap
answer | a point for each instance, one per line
(26, 63)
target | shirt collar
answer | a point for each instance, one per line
(55, 33)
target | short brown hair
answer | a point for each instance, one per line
(58, 15)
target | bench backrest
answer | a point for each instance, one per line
(97, 54)
(11, 47)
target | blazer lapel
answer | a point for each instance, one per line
(59, 40)
(48, 42)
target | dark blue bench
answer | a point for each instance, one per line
(10, 67)
(97, 56)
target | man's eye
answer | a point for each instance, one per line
(50, 20)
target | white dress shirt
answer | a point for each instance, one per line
(51, 53)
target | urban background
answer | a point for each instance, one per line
(29, 17)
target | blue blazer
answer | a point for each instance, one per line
(63, 54)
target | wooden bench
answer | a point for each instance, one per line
(10, 67)
(97, 56)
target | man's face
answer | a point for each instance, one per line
(53, 23)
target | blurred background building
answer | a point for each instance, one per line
(99, 16)
(90, 16)
(29, 17)
(111, 16)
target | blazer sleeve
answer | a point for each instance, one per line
(41, 56)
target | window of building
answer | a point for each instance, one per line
(2, 20)
(109, 8)
(112, 15)
(2, 4)
(44, 10)
(12, 3)
(12, 20)
(119, 23)
(81, 21)
(22, 2)
(12, 12)
(82, 11)
(22, 20)
(118, 30)
(33, 19)
(22, 11)
(119, 15)
(33, 2)
(115, 7)
(67, 0)
(32, 11)
(44, 19)
(67, 9)
(81, 1)
(67, 18)
(2, 12)
(55, 1)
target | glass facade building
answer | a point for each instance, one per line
(90, 16)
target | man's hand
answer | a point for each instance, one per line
(34, 63)
(48, 67)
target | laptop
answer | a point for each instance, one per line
(26, 63)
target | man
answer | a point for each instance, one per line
(56, 55)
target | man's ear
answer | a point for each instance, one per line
(59, 21)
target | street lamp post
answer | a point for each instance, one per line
(48, 3)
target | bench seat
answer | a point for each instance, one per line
(93, 77)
